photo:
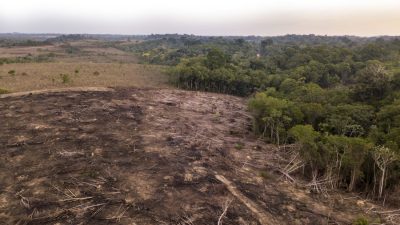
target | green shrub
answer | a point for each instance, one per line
(76, 71)
(265, 175)
(96, 73)
(65, 79)
(11, 72)
(361, 221)
(239, 146)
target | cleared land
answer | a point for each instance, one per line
(146, 156)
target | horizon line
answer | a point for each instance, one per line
(202, 35)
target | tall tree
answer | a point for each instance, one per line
(383, 157)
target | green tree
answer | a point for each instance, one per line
(371, 52)
(273, 116)
(352, 120)
(289, 85)
(216, 59)
(354, 156)
(310, 92)
(256, 64)
(314, 113)
(389, 116)
(396, 81)
(373, 82)
(310, 149)
(264, 46)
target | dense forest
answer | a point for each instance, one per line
(336, 99)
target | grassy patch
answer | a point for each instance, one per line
(65, 78)
(361, 221)
(4, 91)
(239, 146)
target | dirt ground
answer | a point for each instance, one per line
(147, 156)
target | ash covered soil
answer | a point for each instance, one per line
(145, 156)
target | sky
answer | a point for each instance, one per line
(202, 17)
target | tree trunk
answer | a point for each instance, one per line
(277, 135)
(272, 133)
(382, 182)
(375, 181)
(352, 180)
(328, 175)
(265, 130)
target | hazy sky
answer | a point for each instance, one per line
(203, 17)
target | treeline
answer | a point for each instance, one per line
(216, 72)
(21, 43)
(343, 143)
(169, 50)
(327, 66)
(339, 103)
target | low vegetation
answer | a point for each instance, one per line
(3, 91)
(27, 59)
(65, 78)
(11, 72)
(34, 76)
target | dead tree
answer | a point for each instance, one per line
(225, 210)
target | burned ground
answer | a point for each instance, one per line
(144, 156)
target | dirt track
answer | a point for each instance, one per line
(141, 156)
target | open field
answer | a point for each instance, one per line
(32, 50)
(74, 51)
(145, 156)
(74, 64)
(35, 76)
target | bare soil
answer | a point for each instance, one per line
(145, 156)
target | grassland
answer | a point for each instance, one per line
(36, 76)
(75, 64)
